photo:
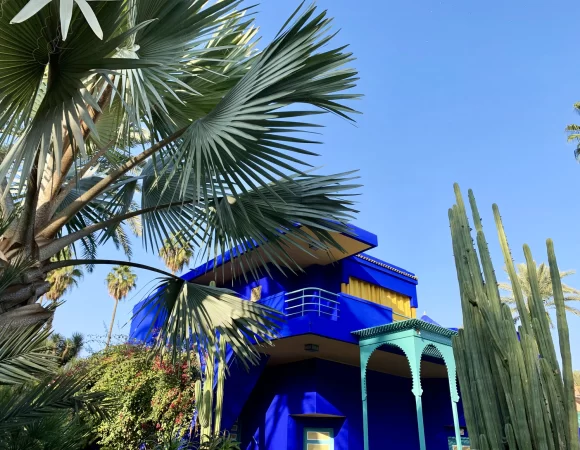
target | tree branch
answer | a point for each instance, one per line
(55, 179)
(59, 221)
(54, 247)
(70, 186)
(68, 157)
(113, 262)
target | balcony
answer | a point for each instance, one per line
(326, 313)
(312, 301)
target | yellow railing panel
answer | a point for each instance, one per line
(399, 303)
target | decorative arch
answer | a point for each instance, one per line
(368, 355)
(445, 353)
(415, 338)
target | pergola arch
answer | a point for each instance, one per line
(371, 350)
(415, 338)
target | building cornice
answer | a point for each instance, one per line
(386, 266)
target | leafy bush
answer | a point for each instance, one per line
(155, 400)
(222, 441)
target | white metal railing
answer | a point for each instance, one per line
(312, 300)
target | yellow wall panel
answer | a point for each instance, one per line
(400, 304)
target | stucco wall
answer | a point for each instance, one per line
(324, 387)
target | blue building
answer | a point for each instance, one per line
(353, 367)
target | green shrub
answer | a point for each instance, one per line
(155, 400)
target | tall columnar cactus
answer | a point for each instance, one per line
(209, 416)
(514, 394)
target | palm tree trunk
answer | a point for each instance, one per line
(112, 322)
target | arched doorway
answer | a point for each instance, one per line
(415, 338)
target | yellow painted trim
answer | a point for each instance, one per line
(399, 303)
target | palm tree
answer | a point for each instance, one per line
(66, 349)
(34, 399)
(545, 282)
(167, 112)
(62, 280)
(120, 281)
(573, 131)
(176, 252)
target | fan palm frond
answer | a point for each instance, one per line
(24, 354)
(193, 316)
(64, 392)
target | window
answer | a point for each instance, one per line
(256, 293)
(318, 439)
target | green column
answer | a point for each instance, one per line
(447, 353)
(365, 354)
(456, 425)
(419, 406)
(413, 348)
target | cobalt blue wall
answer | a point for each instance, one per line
(354, 315)
(325, 387)
(324, 277)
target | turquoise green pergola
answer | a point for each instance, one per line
(415, 338)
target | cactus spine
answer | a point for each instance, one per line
(514, 394)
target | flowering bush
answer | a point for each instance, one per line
(155, 399)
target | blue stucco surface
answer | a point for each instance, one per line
(269, 419)
(355, 313)
(268, 401)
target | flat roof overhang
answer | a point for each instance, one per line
(386, 359)
(225, 268)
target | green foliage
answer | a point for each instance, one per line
(120, 281)
(222, 441)
(58, 431)
(545, 289)
(573, 131)
(66, 349)
(155, 398)
(209, 406)
(39, 409)
(64, 279)
(514, 394)
(176, 252)
(24, 355)
(218, 442)
(167, 112)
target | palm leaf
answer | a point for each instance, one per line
(267, 217)
(64, 392)
(23, 354)
(246, 140)
(67, 98)
(193, 316)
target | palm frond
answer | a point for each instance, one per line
(246, 140)
(67, 99)
(66, 13)
(58, 431)
(193, 316)
(301, 212)
(24, 354)
(64, 392)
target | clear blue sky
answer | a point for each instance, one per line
(477, 93)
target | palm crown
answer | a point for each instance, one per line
(166, 112)
(120, 281)
(545, 284)
(63, 279)
(176, 253)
